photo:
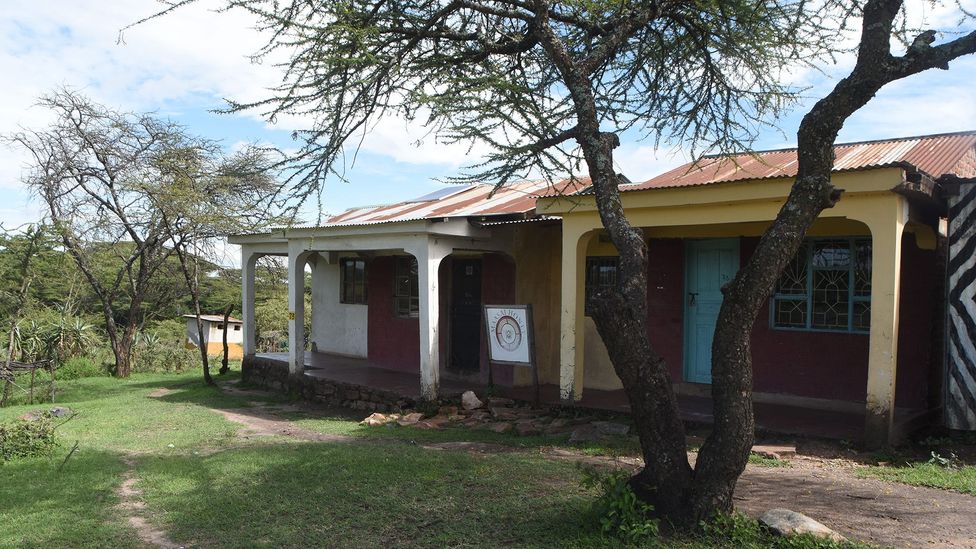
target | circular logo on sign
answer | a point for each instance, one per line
(508, 333)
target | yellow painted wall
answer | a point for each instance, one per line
(235, 351)
(537, 263)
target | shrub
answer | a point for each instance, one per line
(621, 514)
(164, 358)
(27, 438)
(81, 366)
(162, 348)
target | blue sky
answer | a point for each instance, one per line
(183, 65)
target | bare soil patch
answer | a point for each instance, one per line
(870, 510)
(133, 509)
(260, 422)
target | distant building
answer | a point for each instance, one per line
(213, 335)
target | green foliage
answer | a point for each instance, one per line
(621, 514)
(153, 355)
(79, 367)
(55, 335)
(23, 438)
(271, 322)
(161, 348)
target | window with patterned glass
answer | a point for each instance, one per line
(406, 288)
(601, 274)
(352, 281)
(827, 286)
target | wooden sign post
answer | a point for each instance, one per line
(511, 338)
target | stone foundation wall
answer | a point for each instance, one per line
(273, 375)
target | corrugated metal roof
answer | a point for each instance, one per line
(934, 155)
(471, 201)
(216, 318)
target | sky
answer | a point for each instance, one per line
(182, 66)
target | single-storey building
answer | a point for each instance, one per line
(855, 325)
(213, 335)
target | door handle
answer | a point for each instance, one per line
(692, 297)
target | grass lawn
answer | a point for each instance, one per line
(206, 486)
(959, 479)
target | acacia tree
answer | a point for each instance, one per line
(549, 87)
(114, 184)
(202, 195)
(88, 167)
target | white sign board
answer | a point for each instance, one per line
(510, 335)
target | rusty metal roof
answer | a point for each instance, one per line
(935, 155)
(468, 201)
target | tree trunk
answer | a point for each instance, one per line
(620, 314)
(122, 349)
(202, 345)
(621, 319)
(224, 366)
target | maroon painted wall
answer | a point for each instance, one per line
(834, 365)
(394, 343)
(811, 364)
(919, 296)
(665, 300)
(497, 288)
(391, 342)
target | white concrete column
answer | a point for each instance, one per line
(887, 227)
(296, 311)
(429, 257)
(571, 316)
(248, 263)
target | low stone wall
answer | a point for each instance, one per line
(273, 375)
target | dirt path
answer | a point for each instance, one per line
(262, 422)
(871, 510)
(875, 511)
(133, 509)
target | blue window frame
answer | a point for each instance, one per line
(826, 287)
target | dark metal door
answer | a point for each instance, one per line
(466, 315)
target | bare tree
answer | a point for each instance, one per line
(92, 167)
(550, 87)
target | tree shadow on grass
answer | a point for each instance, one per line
(364, 496)
(42, 506)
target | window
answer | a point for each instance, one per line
(352, 281)
(220, 326)
(601, 274)
(406, 288)
(237, 327)
(827, 286)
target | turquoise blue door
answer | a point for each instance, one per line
(709, 264)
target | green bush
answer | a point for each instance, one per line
(81, 366)
(164, 358)
(27, 438)
(621, 514)
(161, 348)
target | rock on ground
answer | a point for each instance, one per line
(788, 523)
(470, 401)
